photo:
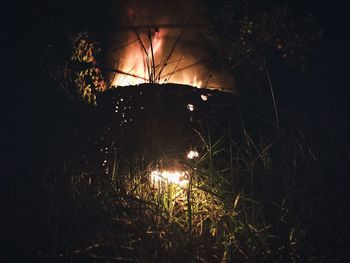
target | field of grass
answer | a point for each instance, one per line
(257, 192)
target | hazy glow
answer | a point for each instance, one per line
(192, 154)
(137, 61)
(176, 177)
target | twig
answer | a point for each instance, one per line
(187, 67)
(175, 44)
(125, 45)
(145, 50)
(153, 72)
(177, 64)
(122, 72)
(272, 94)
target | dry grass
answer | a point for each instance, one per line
(253, 196)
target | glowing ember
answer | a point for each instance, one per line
(176, 177)
(192, 154)
(190, 107)
(204, 97)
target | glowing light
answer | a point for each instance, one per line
(136, 62)
(196, 83)
(175, 177)
(190, 107)
(192, 154)
(143, 63)
(204, 97)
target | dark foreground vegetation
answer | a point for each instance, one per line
(270, 183)
(260, 191)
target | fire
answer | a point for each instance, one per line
(204, 97)
(175, 177)
(144, 60)
(192, 154)
(164, 42)
(190, 107)
(136, 62)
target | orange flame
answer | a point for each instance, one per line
(165, 43)
(143, 61)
